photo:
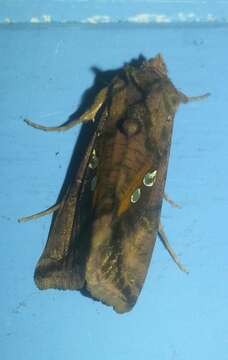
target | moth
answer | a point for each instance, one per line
(105, 226)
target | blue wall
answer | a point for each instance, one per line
(45, 68)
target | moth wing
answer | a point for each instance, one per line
(121, 249)
(62, 263)
(134, 153)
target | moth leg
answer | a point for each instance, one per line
(185, 99)
(89, 115)
(171, 202)
(40, 214)
(164, 239)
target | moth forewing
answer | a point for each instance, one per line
(62, 263)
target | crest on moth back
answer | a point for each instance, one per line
(143, 68)
(156, 64)
(151, 77)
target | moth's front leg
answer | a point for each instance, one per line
(185, 99)
(48, 211)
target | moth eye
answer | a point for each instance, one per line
(94, 160)
(136, 195)
(93, 183)
(149, 178)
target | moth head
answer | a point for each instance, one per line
(157, 65)
(148, 74)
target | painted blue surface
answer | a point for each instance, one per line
(44, 72)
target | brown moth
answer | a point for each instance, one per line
(106, 224)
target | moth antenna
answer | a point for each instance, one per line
(39, 214)
(185, 99)
(89, 115)
(54, 128)
(171, 202)
(171, 252)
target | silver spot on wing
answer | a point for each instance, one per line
(136, 195)
(150, 178)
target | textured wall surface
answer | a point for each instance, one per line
(45, 69)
